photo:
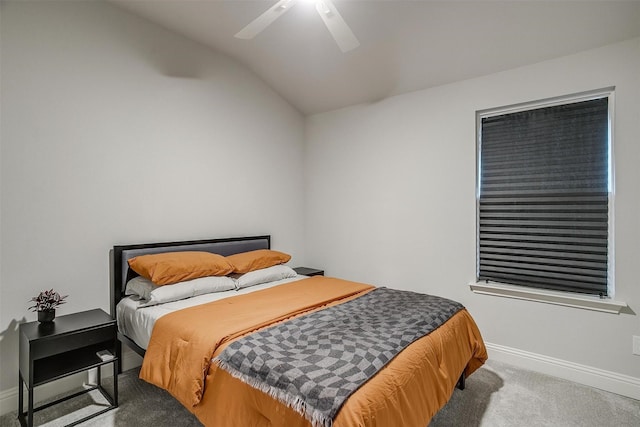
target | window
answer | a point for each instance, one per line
(544, 194)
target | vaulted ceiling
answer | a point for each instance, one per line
(405, 45)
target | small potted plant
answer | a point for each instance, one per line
(45, 304)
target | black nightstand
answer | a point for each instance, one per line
(67, 346)
(306, 271)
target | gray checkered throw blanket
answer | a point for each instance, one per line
(313, 363)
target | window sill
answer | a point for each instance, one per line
(586, 302)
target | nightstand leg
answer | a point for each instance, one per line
(116, 370)
(30, 407)
(119, 354)
(20, 397)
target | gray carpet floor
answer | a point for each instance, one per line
(500, 395)
(496, 395)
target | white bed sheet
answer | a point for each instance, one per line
(137, 322)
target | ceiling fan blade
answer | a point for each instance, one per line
(337, 27)
(263, 21)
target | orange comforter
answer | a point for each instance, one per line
(407, 392)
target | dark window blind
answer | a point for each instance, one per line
(544, 197)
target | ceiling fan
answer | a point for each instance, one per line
(339, 29)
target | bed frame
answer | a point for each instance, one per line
(120, 273)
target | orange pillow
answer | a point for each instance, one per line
(245, 262)
(173, 267)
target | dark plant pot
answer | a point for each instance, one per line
(46, 316)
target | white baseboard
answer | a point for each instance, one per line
(9, 398)
(130, 359)
(613, 382)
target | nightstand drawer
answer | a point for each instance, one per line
(45, 348)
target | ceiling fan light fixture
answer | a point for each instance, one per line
(322, 7)
(332, 19)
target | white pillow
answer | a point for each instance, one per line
(152, 294)
(264, 275)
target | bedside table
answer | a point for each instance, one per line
(64, 347)
(306, 271)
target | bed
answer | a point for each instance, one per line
(407, 391)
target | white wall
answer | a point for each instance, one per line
(116, 131)
(391, 200)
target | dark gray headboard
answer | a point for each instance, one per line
(119, 255)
